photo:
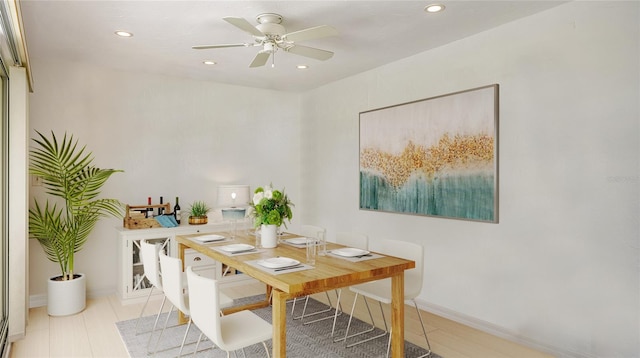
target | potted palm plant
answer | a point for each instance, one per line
(63, 224)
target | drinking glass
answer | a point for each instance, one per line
(322, 243)
(311, 251)
(256, 233)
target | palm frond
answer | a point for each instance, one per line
(67, 173)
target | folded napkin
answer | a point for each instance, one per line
(166, 220)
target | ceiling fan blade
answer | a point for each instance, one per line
(260, 59)
(311, 52)
(204, 47)
(243, 25)
(311, 33)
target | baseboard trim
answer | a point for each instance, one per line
(37, 301)
(41, 299)
(498, 331)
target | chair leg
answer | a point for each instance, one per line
(346, 333)
(293, 306)
(184, 339)
(373, 326)
(197, 344)
(142, 311)
(304, 310)
(266, 349)
(424, 330)
(163, 329)
(335, 316)
(155, 324)
(389, 344)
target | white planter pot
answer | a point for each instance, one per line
(66, 297)
(269, 236)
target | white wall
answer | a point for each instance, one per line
(560, 270)
(172, 137)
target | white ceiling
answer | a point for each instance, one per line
(372, 33)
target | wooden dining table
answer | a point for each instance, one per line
(328, 273)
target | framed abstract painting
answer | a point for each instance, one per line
(434, 157)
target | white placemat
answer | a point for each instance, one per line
(279, 271)
(369, 256)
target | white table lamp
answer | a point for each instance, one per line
(233, 201)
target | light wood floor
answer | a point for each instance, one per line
(92, 333)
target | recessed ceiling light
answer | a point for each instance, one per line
(123, 33)
(209, 62)
(302, 67)
(434, 8)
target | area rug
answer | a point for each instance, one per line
(312, 340)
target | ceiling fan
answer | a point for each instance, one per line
(272, 36)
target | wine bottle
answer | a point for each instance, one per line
(160, 210)
(149, 210)
(176, 211)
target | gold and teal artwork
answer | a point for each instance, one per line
(434, 157)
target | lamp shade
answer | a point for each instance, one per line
(232, 196)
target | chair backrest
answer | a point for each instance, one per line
(149, 256)
(172, 284)
(205, 306)
(409, 251)
(353, 239)
(312, 231)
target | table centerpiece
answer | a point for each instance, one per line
(270, 209)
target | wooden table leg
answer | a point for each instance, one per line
(279, 319)
(397, 316)
(182, 319)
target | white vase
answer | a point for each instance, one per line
(269, 236)
(66, 297)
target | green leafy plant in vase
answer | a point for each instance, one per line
(198, 213)
(270, 209)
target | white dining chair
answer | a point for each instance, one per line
(380, 290)
(149, 254)
(230, 332)
(313, 232)
(174, 289)
(349, 239)
(151, 265)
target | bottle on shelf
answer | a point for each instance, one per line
(176, 211)
(160, 210)
(149, 210)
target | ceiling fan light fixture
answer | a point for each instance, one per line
(123, 33)
(302, 67)
(209, 62)
(433, 8)
(272, 36)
